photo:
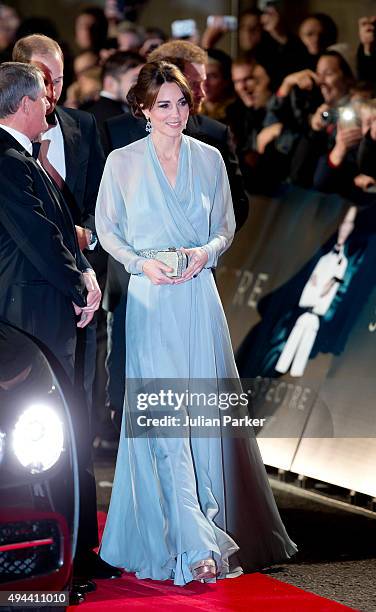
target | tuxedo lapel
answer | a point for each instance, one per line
(59, 201)
(193, 128)
(12, 143)
(50, 186)
(71, 136)
(66, 216)
(46, 180)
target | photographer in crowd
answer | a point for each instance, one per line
(300, 117)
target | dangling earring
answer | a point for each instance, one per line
(148, 126)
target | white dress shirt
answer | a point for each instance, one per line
(56, 152)
(107, 94)
(23, 140)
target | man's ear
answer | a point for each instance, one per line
(25, 105)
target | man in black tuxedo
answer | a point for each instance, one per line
(125, 129)
(75, 158)
(72, 156)
(43, 274)
(71, 153)
(119, 74)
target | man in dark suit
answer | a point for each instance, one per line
(71, 154)
(43, 274)
(125, 129)
(119, 74)
(45, 280)
(74, 155)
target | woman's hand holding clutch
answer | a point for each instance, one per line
(198, 257)
(155, 271)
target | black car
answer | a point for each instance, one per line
(38, 470)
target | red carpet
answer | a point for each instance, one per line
(251, 593)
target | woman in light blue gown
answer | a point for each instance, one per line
(182, 508)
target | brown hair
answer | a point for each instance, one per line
(35, 44)
(120, 62)
(150, 79)
(180, 50)
(244, 59)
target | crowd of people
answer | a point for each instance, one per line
(280, 95)
(288, 107)
(302, 107)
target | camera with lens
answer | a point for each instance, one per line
(346, 116)
(330, 117)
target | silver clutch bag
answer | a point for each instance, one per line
(177, 260)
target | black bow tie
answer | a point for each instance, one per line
(51, 119)
(36, 148)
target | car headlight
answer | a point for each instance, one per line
(38, 438)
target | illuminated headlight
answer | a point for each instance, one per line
(38, 438)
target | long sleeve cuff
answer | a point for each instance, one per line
(135, 265)
(214, 249)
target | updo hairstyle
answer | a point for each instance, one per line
(150, 79)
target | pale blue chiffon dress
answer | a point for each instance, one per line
(178, 500)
